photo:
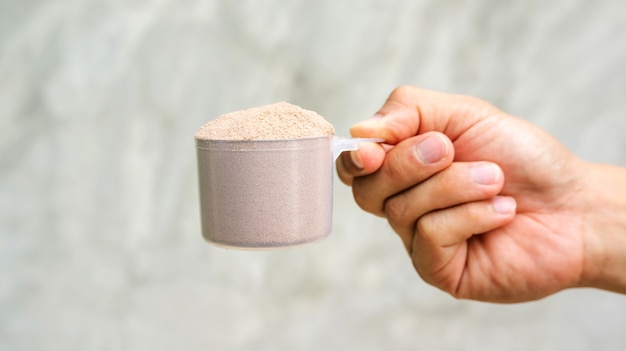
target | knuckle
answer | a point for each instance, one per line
(400, 164)
(429, 229)
(395, 210)
(395, 171)
(423, 228)
(451, 180)
(472, 213)
(403, 90)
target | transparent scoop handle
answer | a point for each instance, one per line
(347, 144)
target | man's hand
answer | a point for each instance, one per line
(488, 206)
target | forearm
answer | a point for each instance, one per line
(605, 228)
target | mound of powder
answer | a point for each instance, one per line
(270, 122)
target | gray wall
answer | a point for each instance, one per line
(100, 245)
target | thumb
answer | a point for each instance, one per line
(410, 111)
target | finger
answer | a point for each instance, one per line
(366, 160)
(441, 236)
(460, 183)
(408, 163)
(410, 111)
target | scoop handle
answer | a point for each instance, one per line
(348, 144)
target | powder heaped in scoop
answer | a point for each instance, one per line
(270, 122)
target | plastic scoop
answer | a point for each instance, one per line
(267, 194)
(350, 144)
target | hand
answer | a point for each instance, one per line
(488, 206)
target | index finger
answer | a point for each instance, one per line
(410, 111)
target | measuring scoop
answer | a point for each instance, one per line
(265, 194)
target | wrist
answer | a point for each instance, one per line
(604, 233)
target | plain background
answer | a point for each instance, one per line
(100, 245)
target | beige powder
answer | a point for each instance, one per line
(270, 122)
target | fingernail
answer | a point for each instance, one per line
(504, 204)
(431, 150)
(485, 173)
(356, 159)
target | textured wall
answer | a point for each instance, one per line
(100, 245)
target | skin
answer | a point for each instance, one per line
(488, 206)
